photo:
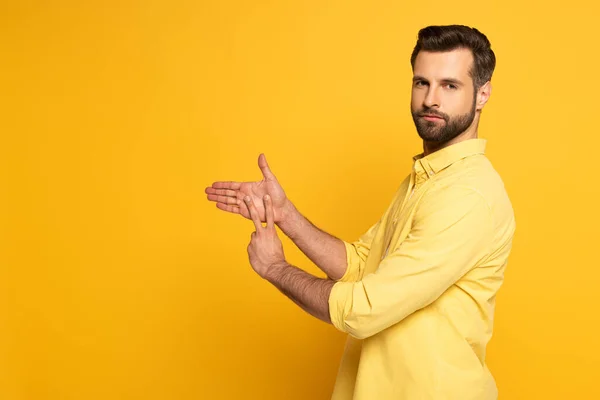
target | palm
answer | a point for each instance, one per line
(257, 192)
(229, 196)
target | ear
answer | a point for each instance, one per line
(483, 95)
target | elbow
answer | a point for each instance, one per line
(361, 334)
(354, 312)
(365, 325)
(363, 330)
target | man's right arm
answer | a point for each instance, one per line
(338, 259)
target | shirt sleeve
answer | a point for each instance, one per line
(451, 234)
(356, 255)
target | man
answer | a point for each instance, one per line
(416, 292)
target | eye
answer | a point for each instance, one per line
(420, 83)
(451, 86)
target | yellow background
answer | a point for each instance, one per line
(118, 280)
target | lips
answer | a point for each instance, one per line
(431, 116)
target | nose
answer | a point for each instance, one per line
(431, 98)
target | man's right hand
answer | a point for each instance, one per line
(325, 250)
(229, 196)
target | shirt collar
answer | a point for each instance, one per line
(426, 167)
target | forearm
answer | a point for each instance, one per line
(307, 291)
(326, 251)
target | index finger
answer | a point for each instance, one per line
(227, 185)
(253, 213)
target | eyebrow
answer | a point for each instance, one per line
(444, 80)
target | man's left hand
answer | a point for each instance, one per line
(265, 249)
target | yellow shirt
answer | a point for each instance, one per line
(417, 298)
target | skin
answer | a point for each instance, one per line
(265, 253)
(442, 86)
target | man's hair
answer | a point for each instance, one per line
(451, 37)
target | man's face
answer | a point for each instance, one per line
(443, 95)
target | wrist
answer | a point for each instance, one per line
(275, 271)
(288, 215)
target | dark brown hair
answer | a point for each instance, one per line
(450, 37)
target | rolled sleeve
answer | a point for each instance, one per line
(451, 234)
(356, 255)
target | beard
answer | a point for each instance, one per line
(442, 131)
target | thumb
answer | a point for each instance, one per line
(264, 167)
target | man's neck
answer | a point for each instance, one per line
(432, 147)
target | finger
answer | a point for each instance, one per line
(253, 214)
(269, 211)
(223, 199)
(227, 185)
(231, 209)
(264, 167)
(221, 192)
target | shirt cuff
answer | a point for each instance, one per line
(353, 264)
(340, 303)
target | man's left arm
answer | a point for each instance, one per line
(267, 259)
(309, 292)
(451, 234)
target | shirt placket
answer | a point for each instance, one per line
(411, 189)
